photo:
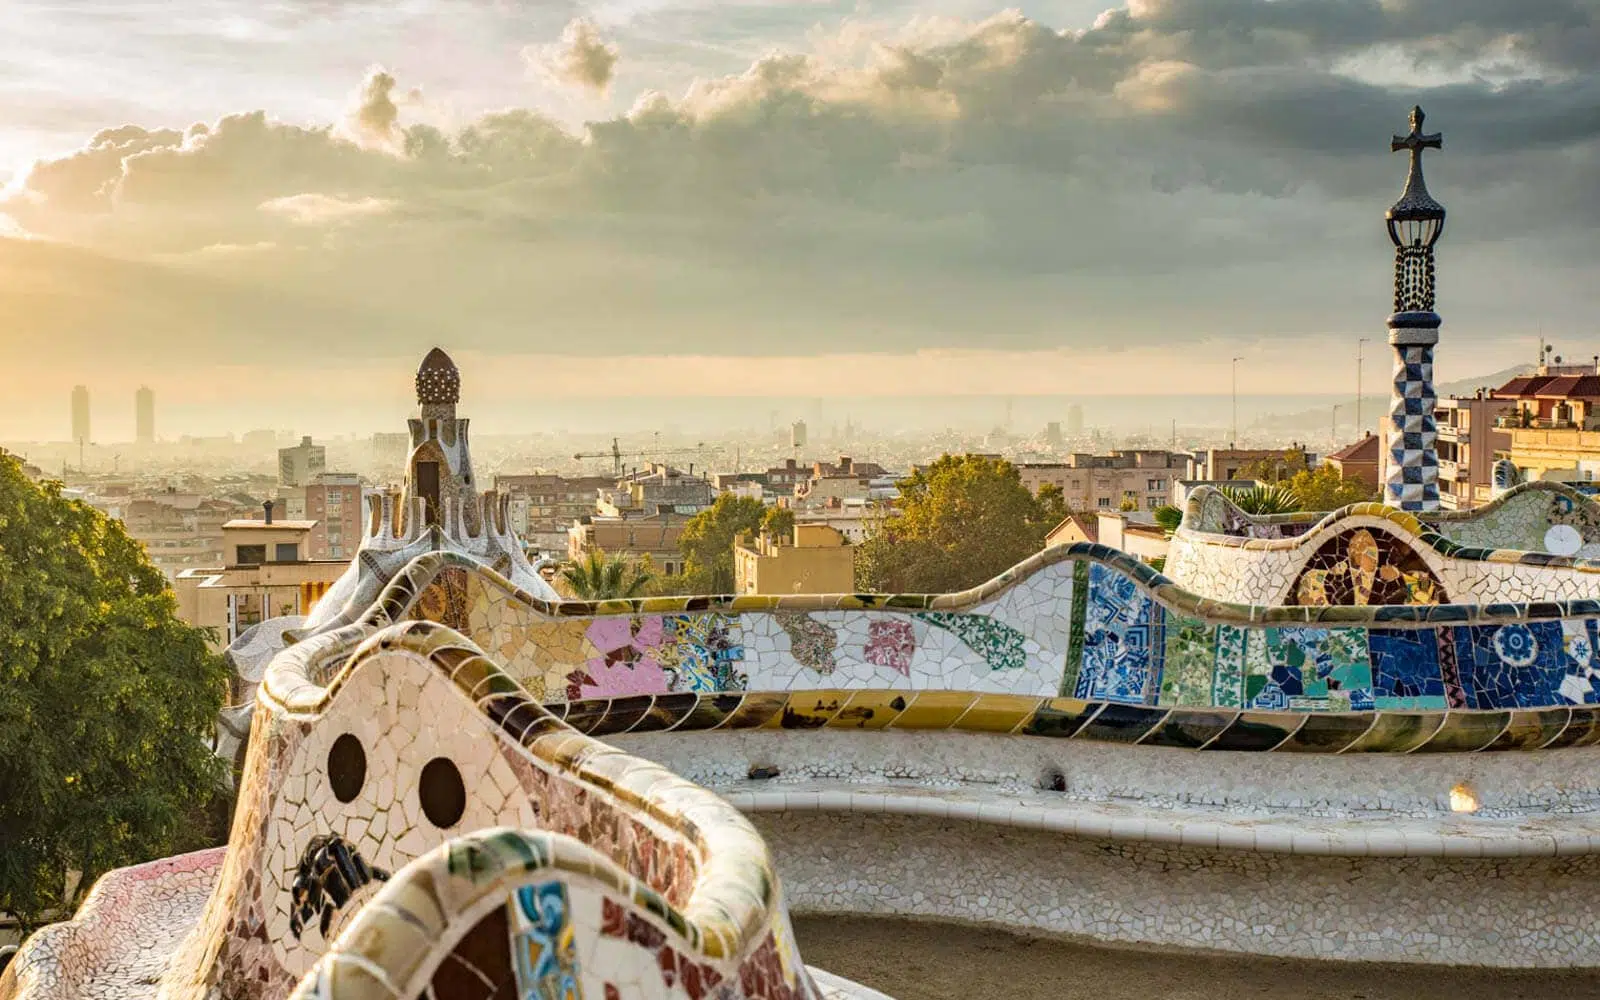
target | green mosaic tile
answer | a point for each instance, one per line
(1190, 664)
(1227, 683)
(1080, 613)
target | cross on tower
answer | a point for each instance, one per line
(1417, 140)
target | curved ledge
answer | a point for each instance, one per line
(1207, 729)
(397, 942)
(1375, 838)
(732, 897)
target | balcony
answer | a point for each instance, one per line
(1516, 422)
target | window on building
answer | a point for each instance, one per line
(1104, 502)
(286, 552)
(250, 555)
(1156, 484)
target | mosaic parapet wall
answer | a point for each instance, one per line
(370, 750)
(1080, 622)
(1537, 542)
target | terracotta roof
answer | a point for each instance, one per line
(1365, 450)
(1570, 387)
(1521, 387)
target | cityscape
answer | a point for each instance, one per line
(799, 501)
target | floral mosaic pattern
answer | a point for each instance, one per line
(1366, 567)
(1001, 646)
(649, 654)
(811, 643)
(891, 643)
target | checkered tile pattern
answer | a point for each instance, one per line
(1413, 482)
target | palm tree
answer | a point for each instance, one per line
(1264, 499)
(600, 577)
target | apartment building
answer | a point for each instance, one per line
(1142, 478)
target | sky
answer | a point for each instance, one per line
(268, 211)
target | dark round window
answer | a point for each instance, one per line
(444, 797)
(347, 767)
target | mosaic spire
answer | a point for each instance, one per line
(1415, 223)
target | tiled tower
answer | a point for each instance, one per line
(1415, 222)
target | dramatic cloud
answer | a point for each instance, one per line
(1177, 172)
(581, 59)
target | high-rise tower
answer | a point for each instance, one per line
(80, 415)
(1415, 223)
(144, 415)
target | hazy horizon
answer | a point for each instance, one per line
(267, 214)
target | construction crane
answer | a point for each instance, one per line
(616, 454)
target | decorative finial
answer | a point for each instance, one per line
(438, 380)
(1415, 203)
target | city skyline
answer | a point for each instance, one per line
(871, 203)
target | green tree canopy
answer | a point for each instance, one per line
(1325, 489)
(960, 521)
(707, 542)
(1275, 469)
(108, 702)
(599, 577)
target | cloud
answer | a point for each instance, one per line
(313, 209)
(375, 119)
(581, 59)
(1181, 169)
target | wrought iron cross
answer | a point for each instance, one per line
(1416, 141)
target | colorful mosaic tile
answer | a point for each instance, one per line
(1405, 668)
(891, 643)
(1001, 646)
(811, 643)
(1366, 567)
(1227, 686)
(1309, 669)
(1120, 660)
(1513, 665)
(1191, 662)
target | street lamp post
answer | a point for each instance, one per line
(1233, 441)
(1360, 344)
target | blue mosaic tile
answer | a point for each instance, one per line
(1580, 652)
(1516, 665)
(1120, 652)
(1405, 668)
(1310, 669)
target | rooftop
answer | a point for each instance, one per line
(247, 524)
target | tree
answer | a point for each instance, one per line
(1273, 470)
(707, 541)
(960, 521)
(108, 702)
(1052, 504)
(600, 577)
(778, 522)
(1325, 489)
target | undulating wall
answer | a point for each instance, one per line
(1077, 621)
(417, 739)
(1538, 542)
